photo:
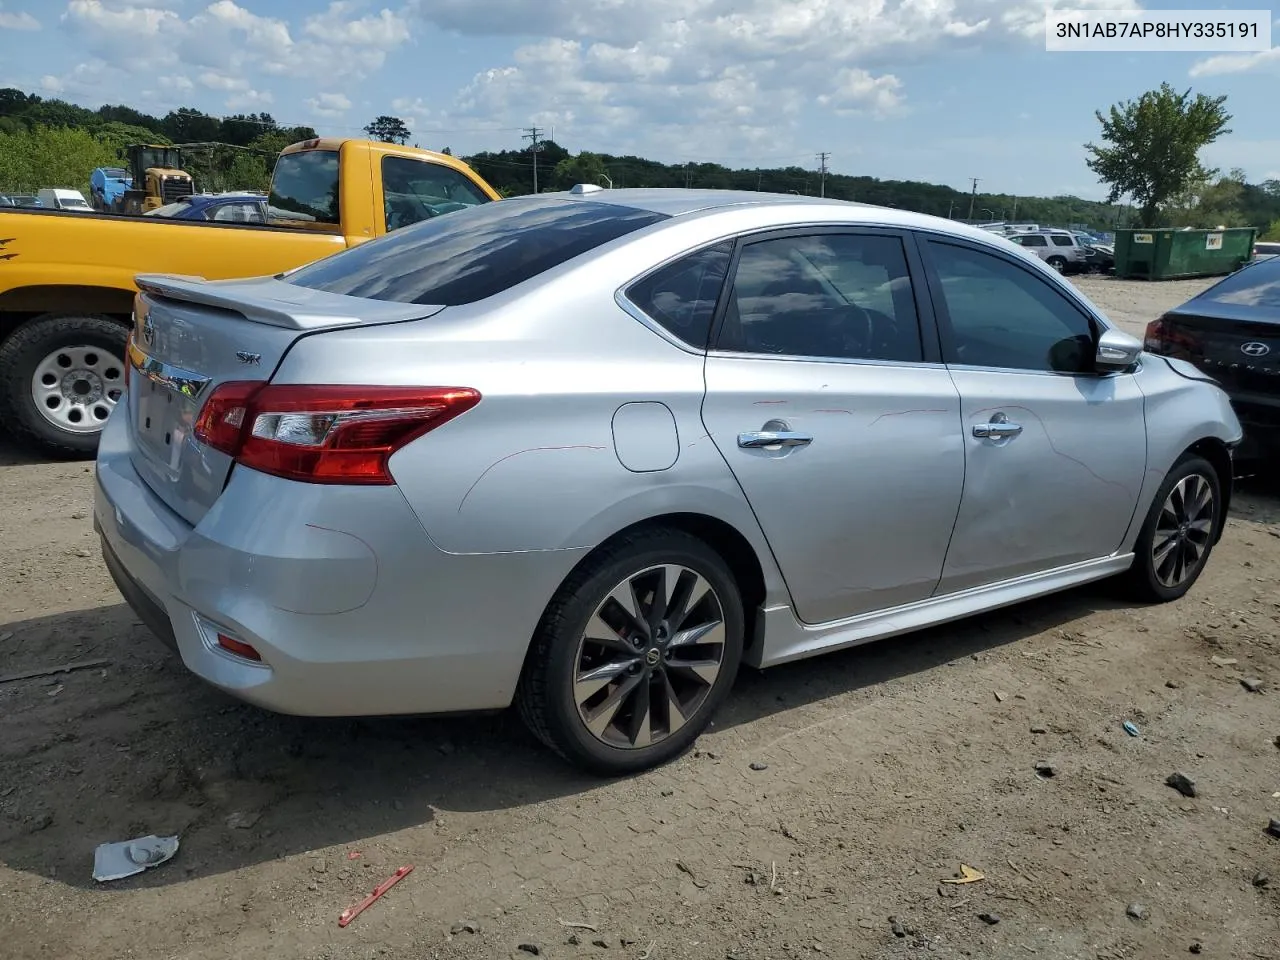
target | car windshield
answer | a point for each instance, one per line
(472, 254)
(1255, 286)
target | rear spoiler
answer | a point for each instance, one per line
(268, 301)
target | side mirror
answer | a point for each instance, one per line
(1116, 351)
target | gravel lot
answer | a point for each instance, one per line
(885, 769)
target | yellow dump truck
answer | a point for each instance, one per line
(66, 279)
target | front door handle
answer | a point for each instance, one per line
(996, 430)
(773, 438)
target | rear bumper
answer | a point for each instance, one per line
(352, 607)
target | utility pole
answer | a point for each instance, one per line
(533, 134)
(688, 175)
(973, 196)
(822, 187)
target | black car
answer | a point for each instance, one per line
(1232, 333)
(1099, 258)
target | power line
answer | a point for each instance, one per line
(533, 134)
(822, 185)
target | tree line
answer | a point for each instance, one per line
(50, 142)
(1148, 154)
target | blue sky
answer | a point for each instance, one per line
(938, 90)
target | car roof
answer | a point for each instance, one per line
(680, 202)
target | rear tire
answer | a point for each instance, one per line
(1178, 534)
(634, 654)
(63, 423)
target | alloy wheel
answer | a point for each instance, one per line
(649, 657)
(76, 388)
(1184, 531)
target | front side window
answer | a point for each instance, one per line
(1001, 315)
(474, 254)
(1033, 240)
(843, 296)
(682, 295)
(417, 190)
(304, 187)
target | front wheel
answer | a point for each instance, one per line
(60, 378)
(634, 654)
(1179, 532)
(1058, 263)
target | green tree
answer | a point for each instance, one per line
(51, 157)
(388, 130)
(1272, 234)
(249, 171)
(1153, 145)
(584, 168)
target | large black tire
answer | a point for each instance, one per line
(1142, 582)
(20, 355)
(546, 693)
(1058, 263)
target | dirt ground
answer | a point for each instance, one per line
(884, 770)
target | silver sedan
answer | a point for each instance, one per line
(589, 452)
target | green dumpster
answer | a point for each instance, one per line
(1177, 254)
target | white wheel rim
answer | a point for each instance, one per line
(76, 388)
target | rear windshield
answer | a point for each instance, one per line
(472, 254)
(304, 187)
(1255, 286)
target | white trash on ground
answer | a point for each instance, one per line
(114, 861)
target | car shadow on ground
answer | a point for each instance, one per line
(140, 746)
(14, 454)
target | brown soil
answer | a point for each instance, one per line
(886, 769)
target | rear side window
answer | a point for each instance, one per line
(304, 187)
(682, 295)
(1061, 241)
(472, 254)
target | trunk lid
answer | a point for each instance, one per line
(192, 335)
(1237, 347)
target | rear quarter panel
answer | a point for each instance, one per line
(534, 466)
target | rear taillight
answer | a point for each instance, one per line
(326, 433)
(1165, 338)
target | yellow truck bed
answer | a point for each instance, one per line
(67, 279)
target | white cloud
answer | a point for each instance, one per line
(855, 89)
(329, 105)
(1236, 63)
(217, 81)
(249, 100)
(52, 84)
(384, 29)
(17, 21)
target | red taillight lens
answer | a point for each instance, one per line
(238, 647)
(325, 433)
(1166, 338)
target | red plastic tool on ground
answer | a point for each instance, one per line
(352, 912)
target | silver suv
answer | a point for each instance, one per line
(1059, 249)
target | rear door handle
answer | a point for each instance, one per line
(773, 438)
(998, 430)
